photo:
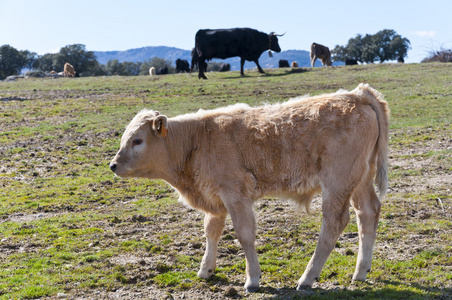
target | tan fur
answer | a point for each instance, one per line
(222, 160)
(69, 70)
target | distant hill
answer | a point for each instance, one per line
(172, 54)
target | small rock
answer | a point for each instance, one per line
(230, 292)
(349, 252)
(115, 220)
(139, 218)
(93, 244)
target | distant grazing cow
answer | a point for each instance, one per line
(400, 59)
(225, 67)
(321, 52)
(283, 63)
(246, 43)
(350, 62)
(221, 161)
(68, 70)
(162, 71)
(182, 66)
(294, 64)
(152, 71)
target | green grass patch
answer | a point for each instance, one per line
(68, 225)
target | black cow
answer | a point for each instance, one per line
(400, 60)
(225, 67)
(162, 71)
(350, 62)
(283, 63)
(182, 66)
(246, 43)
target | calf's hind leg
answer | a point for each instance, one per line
(367, 207)
(336, 215)
(213, 227)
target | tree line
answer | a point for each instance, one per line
(13, 61)
(383, 46)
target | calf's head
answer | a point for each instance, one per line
(142, 149)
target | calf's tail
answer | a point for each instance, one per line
(380, 106)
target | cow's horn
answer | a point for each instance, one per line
(280, 34)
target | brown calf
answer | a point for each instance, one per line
(69, 70)
(321, 52)
(221, 161)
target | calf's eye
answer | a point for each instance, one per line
(137, 142)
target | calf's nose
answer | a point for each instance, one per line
(113, 167)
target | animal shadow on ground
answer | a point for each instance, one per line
(355, 292)
(286, 72)
(13, 99)
(442, 293)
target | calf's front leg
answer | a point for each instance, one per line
(213, 227)
(242, 215)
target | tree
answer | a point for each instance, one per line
(97, 70)
(353, 48)
(47, 63)
(30, 58)
(11, 62)
(400, 46)
(131, 68)
(369, 49)
(382, 41)
(78, 57)
(384, 45)
(144, 67)
(339, 53)
(158, 63)
(84, 62)
(113, 67)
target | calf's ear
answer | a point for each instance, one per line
(160, 125)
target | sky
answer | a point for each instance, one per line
(45, 26)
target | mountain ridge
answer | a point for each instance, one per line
(173, 53)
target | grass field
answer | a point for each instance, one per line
(70, 229)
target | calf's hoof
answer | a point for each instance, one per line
(360, 275)
(251, 289)
(304, 283)
(205, 274)
(303, 287)
(251, 286)
(359, 279)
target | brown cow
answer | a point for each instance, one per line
(321, 52)
(294, 64)
(221, 161)
(69, 70)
